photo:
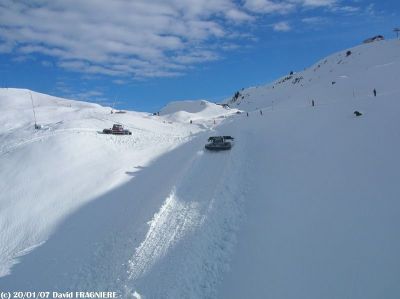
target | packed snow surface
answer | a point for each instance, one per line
(304, 205)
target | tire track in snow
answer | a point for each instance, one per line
(168, 226)
(189, 241)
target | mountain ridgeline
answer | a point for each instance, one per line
(349, 74)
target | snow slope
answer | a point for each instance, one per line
(305, 205)
(335, 78)
(322, 210)
(47, 174)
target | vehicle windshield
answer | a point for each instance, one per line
(218, 140)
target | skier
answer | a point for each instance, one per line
(247, 113)
(374, 92)
(312, 103)
(261, 112)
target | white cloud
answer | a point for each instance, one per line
(314, 20)
(318, 3)
(346, 9)
(286, 6)
(281, 27)
(23, 58)
(132, 38)
(239, 16)
(135, 38)
(267, 6)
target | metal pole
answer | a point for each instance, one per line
(33, 109)
(397, 30)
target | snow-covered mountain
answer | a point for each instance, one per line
(305, 205)
(350, 74)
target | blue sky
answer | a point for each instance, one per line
(142, 54)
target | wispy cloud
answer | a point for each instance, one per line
(267, 6)
(136, 39)
(319, 3)
(281, 27)
(122, 38)
(92, 95)
(315, 20)
(23, 58)
(346, 9)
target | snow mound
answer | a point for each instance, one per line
(187, 106)
(184, 111)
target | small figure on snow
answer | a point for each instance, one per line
(191, 121)
(374, 92)
(247, 114)
(312, 103)
(260, 111)
(357, 113)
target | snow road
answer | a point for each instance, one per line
(199, 220)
